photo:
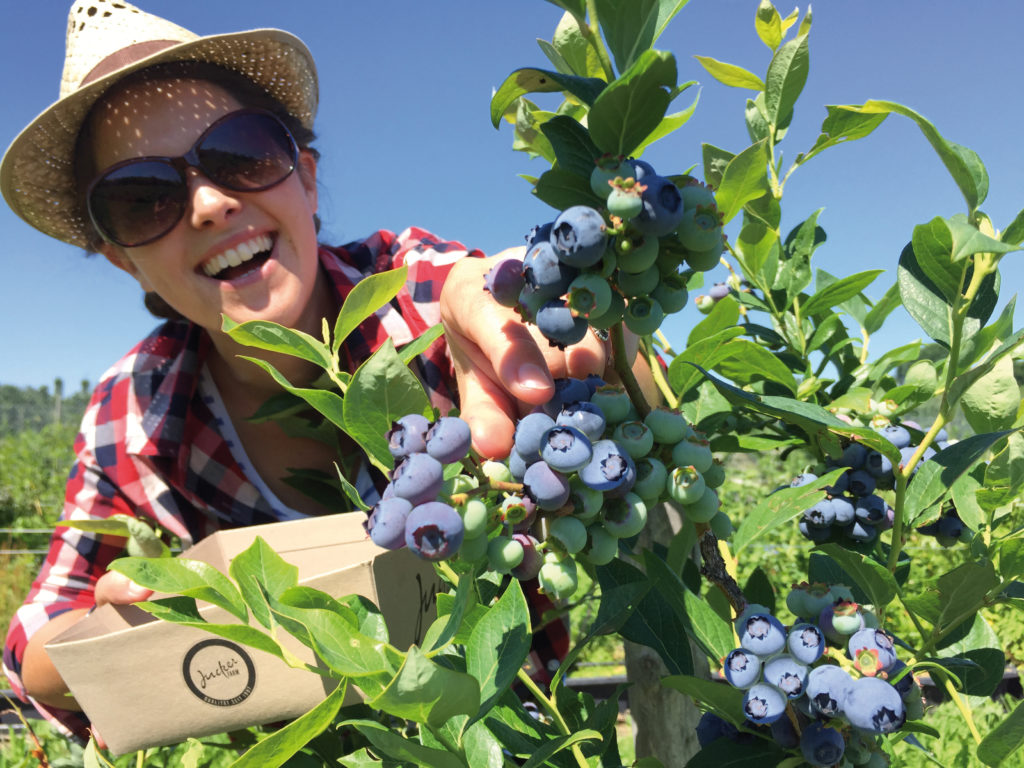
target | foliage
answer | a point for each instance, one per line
(28, 408)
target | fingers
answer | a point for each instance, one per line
(114, 587)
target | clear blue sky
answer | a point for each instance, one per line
(406, 138)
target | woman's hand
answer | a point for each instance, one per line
(504, 367)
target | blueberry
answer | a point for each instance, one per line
(559, 325)
(702, 261)
(685, 485)
(606, 169)
(433, 530)
(897, 435)
(593, 381)
(651, 479)
(821, 745)
(817, 535)
(878, 465)
(547, 488)
(516, 509)
(386, 522)
(711, 727)
(695, 193)
(586, 501)
(784, 733)
(870, 509)
(787, 674)
(476, 518)
(625, 517)
(504, 281)
(853, 456)
(579, 235)
(635, 285)
(718, 291)
(565, 449)
(418, 478)
(821, 515)
(844, 510)
(715, 475)
(874, 705)
(569, 532)
(763, 704)
(662, 207)
(693, 453)
(613, 402)
(704, 508)
(827, 687)
(590, 294)
(610, 468)
(449, 439)
(721, 526)
(408, 435)
(872, 651)
(540, 233)
(635, 437)
(806, 643)
(644, 315)
(504, 553)
(861, 531)
(567, 392)
(805, 478)
(517, 464)
(671, 293)
(584, 416)
(641, 168)
(557, 576)
(762, 634)
(742, 668)
(601, 546)
(635, 253)
(861, 482)
(544, 272)
(699, 229)
(529, 431)
(529, 566)
(624, 200)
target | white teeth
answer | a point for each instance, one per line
(237, 255)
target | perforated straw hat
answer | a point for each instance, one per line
(106, 40)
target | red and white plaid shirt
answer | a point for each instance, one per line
(149, 445)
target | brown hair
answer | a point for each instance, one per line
(247, 92)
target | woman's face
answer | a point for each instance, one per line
(165, 118)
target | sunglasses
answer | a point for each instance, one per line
(137, 201)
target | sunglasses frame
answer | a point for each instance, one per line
(181, 164)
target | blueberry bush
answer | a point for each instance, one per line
(829, 676)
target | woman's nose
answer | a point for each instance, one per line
(210, 205)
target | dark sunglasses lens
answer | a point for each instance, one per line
(138, 202)
(250, 151)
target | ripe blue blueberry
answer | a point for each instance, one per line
(827, 687)
(418, 478)
(844, 510)
(662, 207)
(821, 745)
(896, 434)
(763, 704)
(565, 449)
(787, 674)
(861, 531)
(870, 509)
(742, 668)
(711, 728)
(872, 651)
(449, 439)
(504, 281)
(529, 566)
(584, 416)
(386, 522)
(804, 478)
(610, 468)
(874, 705)
(548, 489)
(853, 456)
(559, 325)
(806, 643)
(579, 235)
(763, 634)
(529, 431)
(860, 482)
(817, 535)
(408, 435)
(821, 515)
(545, 273)
(539, 233)
(567, 391)
(433, 530)
(878, 465)
(641, 168)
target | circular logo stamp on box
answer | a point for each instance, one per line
(219, 672)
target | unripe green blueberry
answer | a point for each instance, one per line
(625, 517)
(667, 425)
(715, 474)
(702, 261)
(586, 500)
(697, 453)
(608, 264)
(601, 547)
(569, 532)
(636, 253)
(612, 316)
(497, 471)
(721, 525)
(624, 202)
(590, 294)
(671, 293)
(606, 168)
(643, 315)
(504, 553)
(684, 484)
(638, 283)
(704, 508)
(613, 402)
(700, 228)
(558, 577)
(704, 304)
(473, 550)
(651, 478)
(695, 193)
(634, 437)
(459, 484)
(476, 517)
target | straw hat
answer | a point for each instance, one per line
(106, 40)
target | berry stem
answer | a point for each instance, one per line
(624, 369)
(654, 362)
(965, 711)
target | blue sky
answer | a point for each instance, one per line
(406, 138)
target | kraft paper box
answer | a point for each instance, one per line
(146, 683)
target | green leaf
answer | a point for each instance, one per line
(933, 246)
(723, 315)
(787, 75)
(279, 746)
(882, 309)
(574, 48)
(794, 269)
(935, 478)
(1014, 234)
(420, 344)
(730, 74)
(839, 291)
(562, 189)
(1003, 740)
(631, 107)
(975, 643)
(552, 747)
(426, 692)
(684, 372)
(963, 165)
(668, 125)
(871, 576)
(529, 80)
(840, 126)
(968, 240)
(724, 700)
(757, 244)
(1004, 477)
(956, 595)
(992, 401)
(528, 136)
(366, 297)
(573, 147)
(272, 337)
(629, 28)
(778, 508)
(656, 625)
(115, 525)
(389, 744)
(756, 753)
(181, 576)
(328, 403)
(744, 179)
(743, 362)
(382, 390)
(499, 644)
(715, 160)
(260, 566)
(578, 8)
(768, 24)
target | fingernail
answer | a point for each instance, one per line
(138, 591)
(530, 376)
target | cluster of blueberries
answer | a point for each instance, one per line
(851, 509)
(827, 711)
(585, 270)
(583, 472)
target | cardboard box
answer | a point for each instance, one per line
(145, 682)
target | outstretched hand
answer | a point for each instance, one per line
(504, 368)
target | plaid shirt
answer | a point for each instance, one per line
(149, 445)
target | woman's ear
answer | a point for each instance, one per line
(116, 256)
(307, 174)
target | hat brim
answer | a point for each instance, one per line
(37, 174)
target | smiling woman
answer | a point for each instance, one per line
(186, 162)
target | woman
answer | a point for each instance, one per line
(186, 162)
